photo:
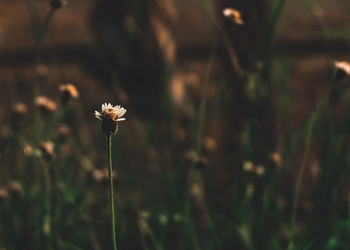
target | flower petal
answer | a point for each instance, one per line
(121, 112)
(98, 115)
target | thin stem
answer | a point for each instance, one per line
(299, 180)
(47, 216)
(40, 36)
(203, 101)
(111, 195)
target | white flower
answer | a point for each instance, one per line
(110, 116)
(109, 112)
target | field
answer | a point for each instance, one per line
(236, 132)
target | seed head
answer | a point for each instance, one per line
(234, 15)
(110, 116)
(46, 106)
(68, 92)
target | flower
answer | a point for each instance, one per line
(46, 106)
(234, 15)
(68, 92)
(42, 72)
(19, 109)
(4, 194)
(63, 131)
(343, 65)
(248, 166)
(15, 188)
(259, 170)
(110, 116)
(47, 149)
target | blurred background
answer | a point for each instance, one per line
(236, 133)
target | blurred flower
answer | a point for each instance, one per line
(343, 69)
(234, 15)
(210, 144)
(5, 132)
(46, 106)
(163, 219)
(177, 217)
(42, 72)
(248, 166)
(57, 4)
(68, 92)
(142, 222)
(30, 151)
(15, 188)
(63, 131)
(259, 170)
(196, 193)
(201, 163)
(47, 149)
(343, 65)
(189, 158)
(276, 158)
(101, 175)
(110, 116)
(145, 214)
(4, 194)
(19, 109)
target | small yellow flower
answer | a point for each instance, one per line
(110, 116)
(234, 15)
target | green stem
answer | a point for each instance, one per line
(299, 179)
(111, 195)
(203, 101)
(40, 36)
(47, 216)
